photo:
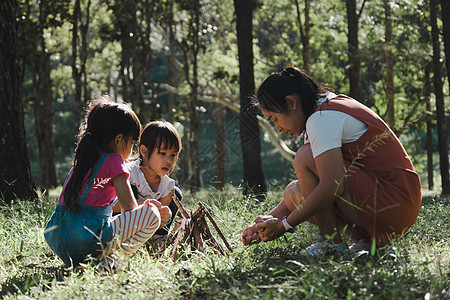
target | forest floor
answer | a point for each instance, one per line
(416, 266)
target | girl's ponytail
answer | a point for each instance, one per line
(104, 120)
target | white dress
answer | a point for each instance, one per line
(137, 179)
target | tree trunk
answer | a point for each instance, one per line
(304, 33)
(171, 64)
(135, 30)
(389, 65)
(43, 114)
(440, 106)
(253, 181)
(354, 59)
(426, 94)
(194, 128)
(79, 59)
(221, 154)
(43, 107)
(77, 109)
(16, 181)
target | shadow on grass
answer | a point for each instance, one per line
(32, 276)
(279, 271)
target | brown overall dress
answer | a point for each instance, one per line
(380, 176)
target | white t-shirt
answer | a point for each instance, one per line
(137, 178)
(329, 129)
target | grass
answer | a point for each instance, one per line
(274, 270)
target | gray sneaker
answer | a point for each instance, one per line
(322, 248)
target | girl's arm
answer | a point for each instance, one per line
(167, 199)
(124, 192)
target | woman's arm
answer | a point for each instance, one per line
(327, 176)
(330, 170)
(124, 192)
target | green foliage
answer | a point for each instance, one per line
(276, 45)
(420, 267)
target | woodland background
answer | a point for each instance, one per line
(194, 62)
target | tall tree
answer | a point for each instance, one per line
(440, 106)
(389, 64)
(15, 173)
(36, 55)
(254, 181)
(429, 125)
(221, 153)
(304, 33)
(79, 56)
(354, 57)
(135, 29)
(190, 45)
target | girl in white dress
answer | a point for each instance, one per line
(159, 148)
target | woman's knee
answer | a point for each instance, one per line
(304, 158)
(292, 195)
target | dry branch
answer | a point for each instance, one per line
(191, 232)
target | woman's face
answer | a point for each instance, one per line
(293, 121)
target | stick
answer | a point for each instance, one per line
(180, 207)
(216, 227)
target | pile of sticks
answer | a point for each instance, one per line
(193, 232)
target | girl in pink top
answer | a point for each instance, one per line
(82, 225)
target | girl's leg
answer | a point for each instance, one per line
(133, 228)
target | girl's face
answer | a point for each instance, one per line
(292, 122)
(161, 160)
(123, 146)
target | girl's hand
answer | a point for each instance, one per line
(250, 235)
(164, 211)
(270, 230)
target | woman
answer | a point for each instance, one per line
(353, 175)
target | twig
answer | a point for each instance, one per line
(216, 227)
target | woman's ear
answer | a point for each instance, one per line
(291, 102)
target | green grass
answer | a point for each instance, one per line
(274, 270)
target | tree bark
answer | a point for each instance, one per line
(79, 59)
(171, 63)
(304, 33)
(43, 107)
(135, 29)
(221, 155)
(354, 58)
(429, 124)
(254, 181)
(440, 106)
(16, 181)
(389, 65)
(194, 127)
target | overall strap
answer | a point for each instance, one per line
(91, 180)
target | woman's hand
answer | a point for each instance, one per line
(164, 211)
(250, 235)
(270, 229)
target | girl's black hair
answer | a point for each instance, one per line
(158, 133)
(103, 121)
(271, 94)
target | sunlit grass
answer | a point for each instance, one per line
(275, 270)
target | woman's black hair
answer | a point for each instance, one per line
(103, 121)
(158, 133)
(271, 94)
